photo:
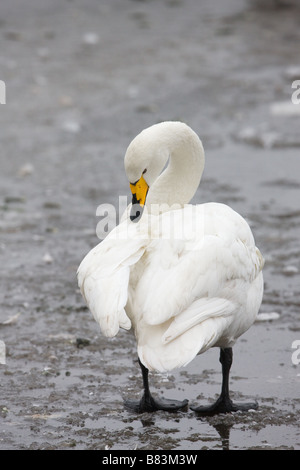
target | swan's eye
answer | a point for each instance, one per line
(145, 170)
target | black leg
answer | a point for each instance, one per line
(149, 404)
(224, 404)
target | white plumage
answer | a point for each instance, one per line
(187, 277)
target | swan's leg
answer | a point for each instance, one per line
(224, 403)
(148, 403)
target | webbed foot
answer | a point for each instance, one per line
(223, 405)
(151, 404)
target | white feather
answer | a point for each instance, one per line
(199, 311)
(103, 277)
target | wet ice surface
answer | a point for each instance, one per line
(81, 83)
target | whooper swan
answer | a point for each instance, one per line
(184, 277)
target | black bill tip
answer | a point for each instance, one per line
(136, 212)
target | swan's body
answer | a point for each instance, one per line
(185, 277)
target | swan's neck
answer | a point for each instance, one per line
(178, 183)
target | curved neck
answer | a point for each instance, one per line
(178, 183)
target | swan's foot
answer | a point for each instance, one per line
(223, 405)
(150, 404)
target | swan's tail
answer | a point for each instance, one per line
(176, 342)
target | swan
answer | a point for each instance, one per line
(184, 277)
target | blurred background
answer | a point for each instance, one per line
(82, 79)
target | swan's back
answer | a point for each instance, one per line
(195, 289)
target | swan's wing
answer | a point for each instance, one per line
(176, 277)
(175, 343)
(103, 277)
(200, 310)
(179, 272)
(163, 357)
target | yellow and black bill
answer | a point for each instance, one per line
(139, 191)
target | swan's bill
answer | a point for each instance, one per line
(139, 191)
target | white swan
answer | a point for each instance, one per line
(185, 277)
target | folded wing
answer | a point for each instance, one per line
(103, 278)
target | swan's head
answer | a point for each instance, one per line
(145, 159)
(147, 156)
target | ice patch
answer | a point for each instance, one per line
(267, 316)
